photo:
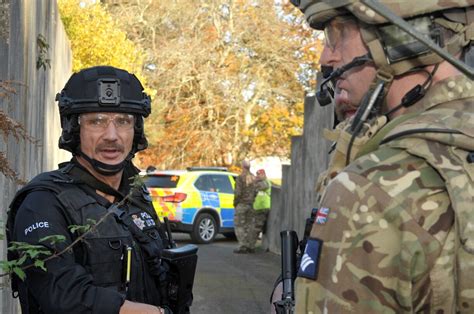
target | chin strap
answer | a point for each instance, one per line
(106, 169)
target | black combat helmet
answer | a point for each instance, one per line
(102, 89)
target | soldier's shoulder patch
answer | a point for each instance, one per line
(322, 215)
(310, 261)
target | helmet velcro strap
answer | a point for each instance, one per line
(470, 32)
(375, 46)
(464, 34)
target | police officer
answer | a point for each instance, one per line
(393, 231)
(116, 268)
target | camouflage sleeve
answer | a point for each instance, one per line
(262, 185)
(381, 242)
(238, 190)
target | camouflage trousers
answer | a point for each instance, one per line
(244, 225)
(260, 221)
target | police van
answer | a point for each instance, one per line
(197, 201)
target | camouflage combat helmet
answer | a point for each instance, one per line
(393, 51)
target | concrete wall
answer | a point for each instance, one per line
(32, 104)
(292, 203)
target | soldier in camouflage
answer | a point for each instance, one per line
(244, 217)
(394, 231)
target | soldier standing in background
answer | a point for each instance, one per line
(262, 201)
(244, 217)
(393, 231)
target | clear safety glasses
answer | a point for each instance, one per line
(100, 121)
(336, 30)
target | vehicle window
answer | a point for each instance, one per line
(204, 183)
(161, 181)
(222, 184)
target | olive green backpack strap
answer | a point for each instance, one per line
(375, 141)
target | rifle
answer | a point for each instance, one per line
(289, 244)
(291, 252)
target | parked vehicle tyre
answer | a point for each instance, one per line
(230, 235)
(204, 229)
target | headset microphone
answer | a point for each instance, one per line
(325, 94)
(326, 89)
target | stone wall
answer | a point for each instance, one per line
(32, 104)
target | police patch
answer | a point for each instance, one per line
(310, 260)
(36, 225)
(138, 221)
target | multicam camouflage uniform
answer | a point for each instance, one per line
(395, 229)
(399, 234)
(244, 214)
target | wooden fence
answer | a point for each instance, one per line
(293, 201)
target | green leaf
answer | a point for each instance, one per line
(91, 221)
(82, 228)
(40, 264)
(36, 253)
(6, 266)
(79, 228)
(19, 272)
(137, 182)
(21, 260)
(53, 239)
(23, 246)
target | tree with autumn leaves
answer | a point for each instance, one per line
(97, 39)
(227, 77)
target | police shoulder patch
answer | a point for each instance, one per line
(310, 261)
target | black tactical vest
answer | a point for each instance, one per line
(103, 252)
